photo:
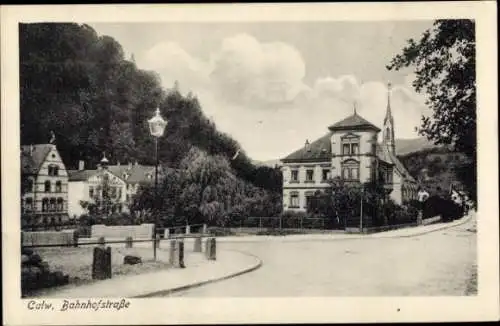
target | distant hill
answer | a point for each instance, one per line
(405, 146)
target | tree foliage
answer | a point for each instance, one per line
(79, 85)
(444, 60)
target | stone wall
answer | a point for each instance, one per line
(64, 237)
(143, 231)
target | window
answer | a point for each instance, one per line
(58, 186)
(295, 176)
(56, 170)
(47, 186)
(60, 204)
(350, 145)
(310, 176)
(52, 206)
(30, 185)
(91, 192)
(346, 149)
(309, 196)
(119, 208)
(326, 174)
(45, 205)
(350, 170)
(28, 205)
(294, 199)
(127, 197)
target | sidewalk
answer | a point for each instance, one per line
(398, 233)
(227, 265)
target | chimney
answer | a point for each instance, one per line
(307, 145)
(81, 165)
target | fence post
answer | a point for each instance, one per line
(204, 230)
(157, 241)
(212, 249)
(171, 257)
(260, 223)
(181, 255)
(197, 244)
(188, 229)
(166, 233)
(128, 242)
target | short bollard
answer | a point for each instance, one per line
(157, 241)
(197, 244)
(171, 257)
(101, 264)
(166, 234)
(180, 257)
(188, 229)
(101, 241)
(128, 242)
(207, 247)
(76, 236)
(213, 250)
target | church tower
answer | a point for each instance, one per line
(388, 133)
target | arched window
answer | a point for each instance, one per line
(45, 205)
(52, 204)
(58, 186)
(388, 133)
(28, 205)
(47, 186)
(294, 199)
(350, 170)
(30, 185)
(60, 204)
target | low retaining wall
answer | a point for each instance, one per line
(143, 231)
(40, 238)
(431, 220)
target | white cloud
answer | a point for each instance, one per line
(245, 78)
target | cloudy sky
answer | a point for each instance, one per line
(274, 85)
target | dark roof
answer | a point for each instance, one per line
(136, 173)
(353, 122)
(33, 156)
(320, 149)
(386, 155)
(80, 175)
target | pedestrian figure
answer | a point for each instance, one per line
(422, 195)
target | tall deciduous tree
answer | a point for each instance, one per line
(445, 66)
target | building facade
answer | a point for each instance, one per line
(350, 150)
(44, 194)
(118, 183)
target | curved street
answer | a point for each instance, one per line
(440, 263)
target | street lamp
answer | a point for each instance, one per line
(156, 127)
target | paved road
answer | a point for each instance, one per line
(438, 263)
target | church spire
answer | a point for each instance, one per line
(388, 134)
(388, 113)
(354, 106)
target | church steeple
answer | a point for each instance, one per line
(388, 133)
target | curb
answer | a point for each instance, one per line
(199, 284)
(446, 226)
(380, 235)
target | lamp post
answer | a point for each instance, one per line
(156, 127)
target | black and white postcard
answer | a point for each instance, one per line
(249, 163)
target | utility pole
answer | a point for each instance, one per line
(361, 214)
